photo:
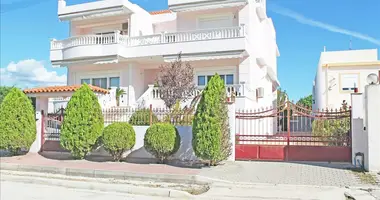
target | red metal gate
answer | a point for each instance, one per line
(292, 132)
(51, 127)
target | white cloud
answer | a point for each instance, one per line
(30, 73)
(311, 22)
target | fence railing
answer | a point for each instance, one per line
(231, 91)
(148, 116)
(163, 38)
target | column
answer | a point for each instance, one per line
(372, 126)
(41, 105)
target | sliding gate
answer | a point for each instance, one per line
(292, 132)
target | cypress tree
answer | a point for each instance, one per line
(83, 123)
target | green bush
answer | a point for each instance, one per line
(211, 134)
(333, 131)
(179, 116)
(118, 138)
(162, 140)
(83, 123)
(17, 122)
(142, 118)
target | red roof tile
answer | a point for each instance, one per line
(69, 88)
(158, 12)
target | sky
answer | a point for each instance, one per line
(303, 28)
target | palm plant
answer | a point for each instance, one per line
(119, 92)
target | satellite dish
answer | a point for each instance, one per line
(372, 79)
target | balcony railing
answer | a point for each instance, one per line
(163, 38)
(231, 90)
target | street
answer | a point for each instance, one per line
(26, 191)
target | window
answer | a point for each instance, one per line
(100, 82)
(86, 80)
(115, 82)
(227, 78)
(201, 81)
(349, 82)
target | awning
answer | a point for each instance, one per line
(204, 5)
(205, 56)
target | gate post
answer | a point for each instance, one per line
(37, 144)
(231, 121)
(288, 129)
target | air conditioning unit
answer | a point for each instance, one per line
(260, 92)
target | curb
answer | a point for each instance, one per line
(120, 175)
(103, 187)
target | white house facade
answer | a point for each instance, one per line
(115, 43)
(341, 73)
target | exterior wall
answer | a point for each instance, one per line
(170, 26)
(365, 55)
(329, 76)
(335, 96)
(188, 20)
(373, 126)
(365, 128)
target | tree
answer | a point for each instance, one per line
(282, 97)
(176, 82)
(4, 91)
(306, 101)
(210, 126)
(17, 122)
(83, 123)
(119, 92)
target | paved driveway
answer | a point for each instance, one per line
(322, 174)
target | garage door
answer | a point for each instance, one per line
(214, 22)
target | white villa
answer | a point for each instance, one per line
(115, 43)
(341, 73)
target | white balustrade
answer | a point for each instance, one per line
(231, 91)
(164, 38)
(206, 34)
(140, 41)
(84, 40)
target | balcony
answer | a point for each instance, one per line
(208, 40)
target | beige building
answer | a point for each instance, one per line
(341, 73)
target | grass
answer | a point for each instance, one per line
(365, 177)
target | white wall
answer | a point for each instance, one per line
(334, 97)
(366, 126)
(373, 126)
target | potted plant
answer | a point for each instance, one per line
(119, 92)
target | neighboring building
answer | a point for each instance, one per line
(341, 73)
(114, 43)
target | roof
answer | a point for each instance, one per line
(158, 12)
(352, 64)
(69, 88)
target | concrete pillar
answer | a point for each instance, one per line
(372, 126)
(231, 120)
(41, 105)
(359, 136)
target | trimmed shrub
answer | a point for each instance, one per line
(162, 140)
(118, 138)
(17, 122)
(83, 123)
(211, 134)
(142, 117)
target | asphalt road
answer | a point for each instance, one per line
(25, 191)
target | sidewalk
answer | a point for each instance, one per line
(316, 174)
(85, 168)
